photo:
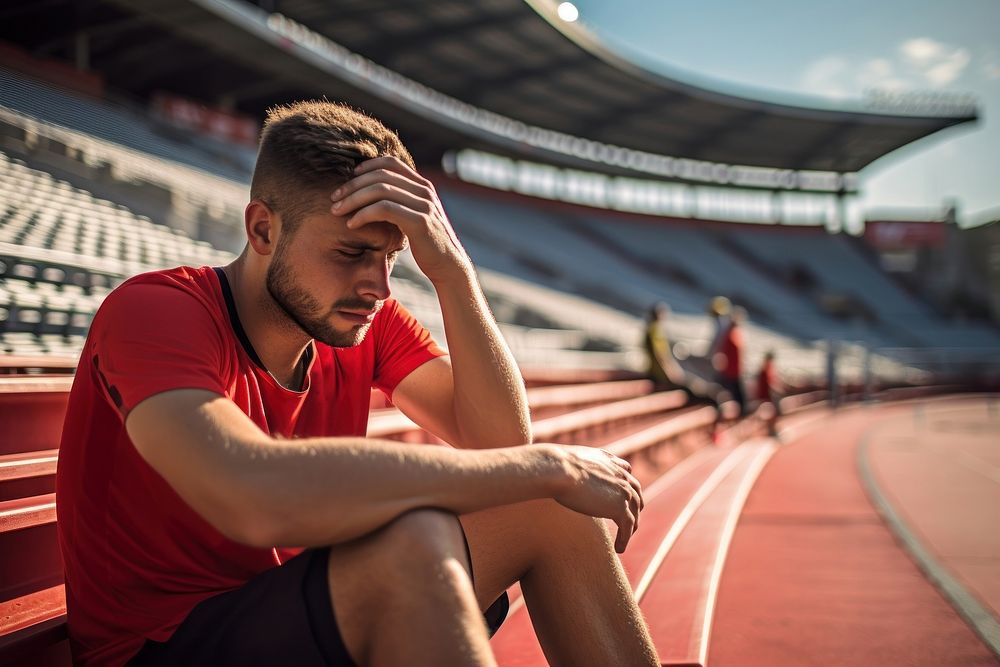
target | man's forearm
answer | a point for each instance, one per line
(490, 402)
(299, 503)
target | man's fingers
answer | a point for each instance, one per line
(391, 164)
(378, 192)
(626, 526)
(637, 487)
(388, 210)
(635, 505)
(619, 461)
(627, 474)
(401, 181)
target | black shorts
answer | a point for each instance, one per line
(283, 616)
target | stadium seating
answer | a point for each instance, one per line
(62, 250)
(838, 267)
(41, 212)
(616, 413)
(121, 125)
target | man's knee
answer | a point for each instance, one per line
(402, 550)
(416, 557)
(423, 537)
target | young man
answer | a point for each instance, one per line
(728, 357)
(218, 502)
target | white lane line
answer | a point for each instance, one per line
(696, 501)
(763, 455)
(658, 487)
(967, 605)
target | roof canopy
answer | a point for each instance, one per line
(503, 76)
(518, 59)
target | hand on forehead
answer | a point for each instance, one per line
(383, 235)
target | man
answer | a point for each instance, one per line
(769, 391)
(728, 358)
(662, 366)
(216, 428)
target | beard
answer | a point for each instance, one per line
(306, 312)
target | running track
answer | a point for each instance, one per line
(815, 574)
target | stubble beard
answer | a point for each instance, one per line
(304, 312)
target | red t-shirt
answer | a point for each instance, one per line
(767, 381)
(731, 349)
(137, 557)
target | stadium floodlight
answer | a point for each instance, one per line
(568, 12)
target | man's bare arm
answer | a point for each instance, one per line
(265, 492)
(475, 399)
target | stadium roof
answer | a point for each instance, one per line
(519, 59)
(501, 75)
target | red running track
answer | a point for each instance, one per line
(814, 576)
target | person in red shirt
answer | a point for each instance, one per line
(218, 502)
(768, 382)
(769, 390)
(728, 357)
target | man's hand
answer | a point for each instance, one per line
(602, 486)
(385, 189)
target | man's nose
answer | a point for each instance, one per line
(375, 283)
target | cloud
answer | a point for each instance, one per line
(921, 51)
(916, 64)
(991, 66)
(827, 76)
(935, 62)
(879, 73)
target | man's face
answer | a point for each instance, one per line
(329, 280)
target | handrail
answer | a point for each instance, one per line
(24, 384)
(543, 397)
(389, 421)
(670, 427)
(580, 419)
(27, 512)
(28, 464)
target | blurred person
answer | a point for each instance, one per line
(728, 357)
(661, 364)
(218, 502)
(719, 309)
(663, 368)
(770, 390)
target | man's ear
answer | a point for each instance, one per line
(261, 226)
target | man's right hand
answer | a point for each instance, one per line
(601, 485)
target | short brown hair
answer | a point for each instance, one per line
(310, 147)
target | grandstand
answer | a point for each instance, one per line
(96, 185)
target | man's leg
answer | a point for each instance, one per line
(402, 595)
(580, 601)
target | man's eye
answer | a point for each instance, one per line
(354, 255)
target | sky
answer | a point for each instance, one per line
(831, 53)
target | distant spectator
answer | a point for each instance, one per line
(728, 358)
(718, 309)
(770, 390)
(662, 366)
(769, 386)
